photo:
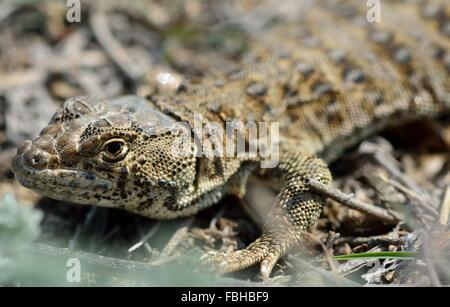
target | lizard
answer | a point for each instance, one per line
(330, 79)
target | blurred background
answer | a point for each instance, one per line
(145, 46)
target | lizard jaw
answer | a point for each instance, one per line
(56, 183)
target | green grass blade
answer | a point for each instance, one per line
(379, 255)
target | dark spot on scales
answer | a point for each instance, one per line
(382, 38)
(88, 176)
(122, 182)
(402, 56)
(445, 29)
(321, 88)
(236, 75)
(305, 69)
(431, 11)
(170, 203)
(337, 55)
(333, 116)
(354, 75)
(145, 204)
(256, 89)
(182, 88)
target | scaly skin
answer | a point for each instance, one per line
(330, 80)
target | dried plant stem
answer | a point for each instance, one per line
(351, 202)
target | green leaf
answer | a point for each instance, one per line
(379, 255)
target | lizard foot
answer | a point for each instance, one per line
(264, 251)
(296, 207)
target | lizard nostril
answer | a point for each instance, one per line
(36, 158)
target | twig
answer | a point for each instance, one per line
(112, 47)
(445, 207)
(329, 256)
(434, 279)
(372, 240)
(350, 201)
(10, 80)
(331, 238)
(167, 254)
(385, 161)
(383, 158)
(145, 238)
(414, 195)
(179, 236)
(328, 251)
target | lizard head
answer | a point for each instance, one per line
(113, 153)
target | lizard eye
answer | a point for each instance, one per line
(115, 150)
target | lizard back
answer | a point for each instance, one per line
(332, 77)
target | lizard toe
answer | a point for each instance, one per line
(262, 251)
(267, 264)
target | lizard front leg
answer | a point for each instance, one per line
(295, 208)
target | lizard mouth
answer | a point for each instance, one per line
(40, 179)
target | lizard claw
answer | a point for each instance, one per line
(261, 251)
